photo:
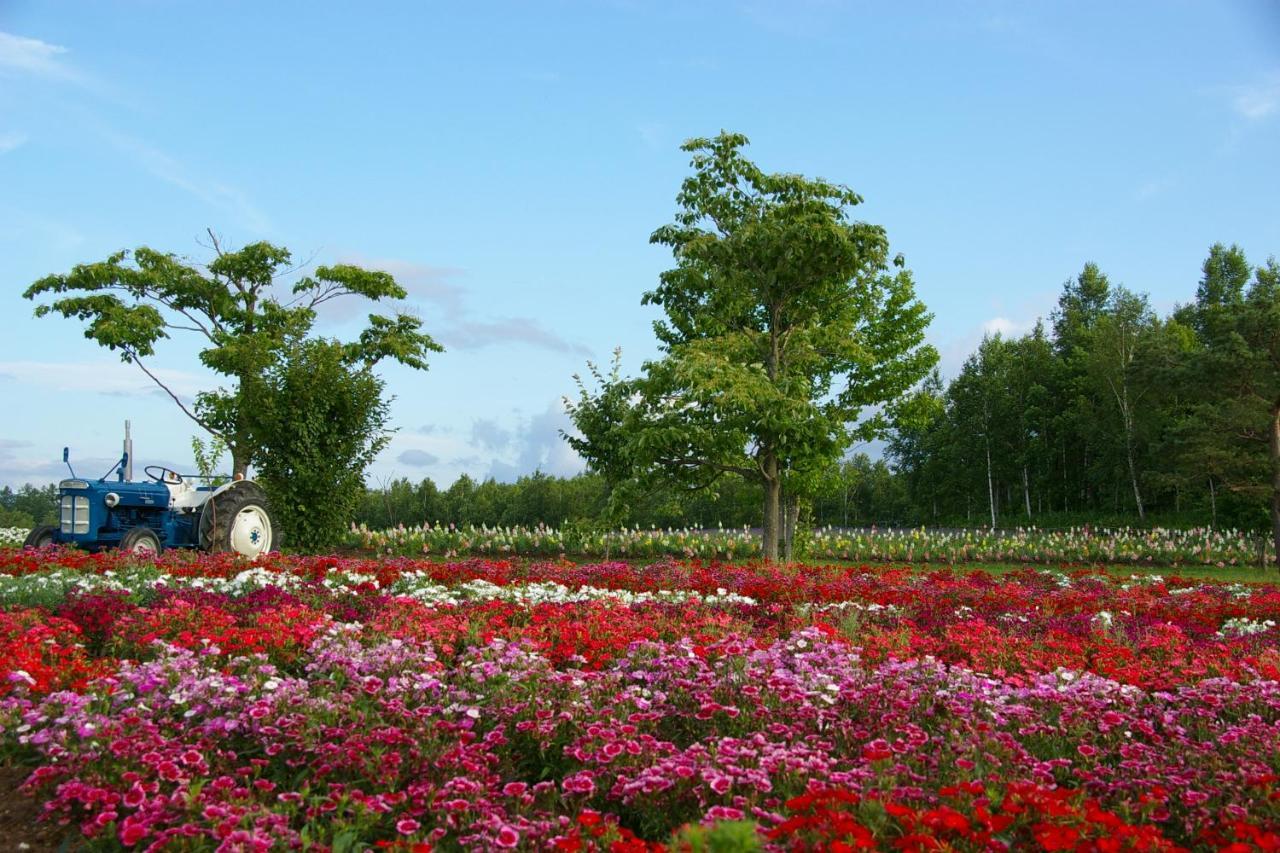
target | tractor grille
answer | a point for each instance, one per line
(75, 514)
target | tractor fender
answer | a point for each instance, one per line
(207, 507)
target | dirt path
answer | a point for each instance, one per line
(19, 829)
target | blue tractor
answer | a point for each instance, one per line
(169, 510)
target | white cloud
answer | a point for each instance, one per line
(33, 56)
(1005, 327)
(1259, 100)
(104, 377)
(11, 140)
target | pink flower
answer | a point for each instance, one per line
(507, 837)
(131, 834)
(407, 826)
(579, 783)
(1087, 750)
(135, 796)
(514, 789)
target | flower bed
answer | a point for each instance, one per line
(1161, 546)
(200, 702)
(11, 537)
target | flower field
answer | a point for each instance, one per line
(1129, 546)
(199, 702)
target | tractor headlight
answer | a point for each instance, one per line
(111, 499)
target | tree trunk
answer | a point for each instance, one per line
(991, 489)
(1275, 477)
(1026, 489)
(772, 502)
(791, 517)
(239, 462)
(1133, 478)
(1213, 506)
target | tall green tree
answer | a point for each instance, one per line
(237, 308)
(784, 324)
(1111, 364)
(1237, 375)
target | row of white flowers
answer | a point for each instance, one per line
(1158, 546)
(55, 584)
(13, 535)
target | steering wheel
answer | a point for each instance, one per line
(165, 475)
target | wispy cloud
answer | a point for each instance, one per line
(1258, 100)
(104, 377)
(475, 334)
(453, 323)
(434, 285)
(11, 140)
(161, 165)
(33, 56)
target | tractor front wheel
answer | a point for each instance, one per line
(41, 537)
(239, 520)
(140, 542)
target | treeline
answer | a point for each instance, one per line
(28, 506)
(860, 491)
(1112, 409)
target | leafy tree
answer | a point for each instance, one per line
(28, 506)
(783, 325)
(979, 403)
(1238, 376)
(1111, 363)
(318, 417)
(235, 308)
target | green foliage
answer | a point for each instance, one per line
(207, 457)
(318, 421)
(28, 506)
(738, 836)
(133, 300)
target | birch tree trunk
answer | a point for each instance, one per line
(991, 490)
(1275, 477)
(1026, 489)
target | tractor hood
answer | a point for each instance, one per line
(139, 494)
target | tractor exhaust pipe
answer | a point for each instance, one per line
(128, 454)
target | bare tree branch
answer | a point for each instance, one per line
(133, 356)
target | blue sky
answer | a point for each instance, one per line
(509, 161)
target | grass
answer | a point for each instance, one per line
(1227, 574)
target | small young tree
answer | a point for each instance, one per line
(317, 419)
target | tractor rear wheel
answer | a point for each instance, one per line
(41, 537)
(140, 542)
(239, 520)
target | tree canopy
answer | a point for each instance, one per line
(241, 309)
